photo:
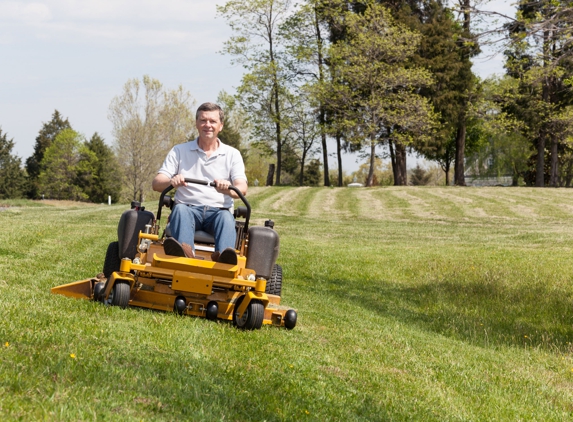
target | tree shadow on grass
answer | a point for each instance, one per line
(481, 312)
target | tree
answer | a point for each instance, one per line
(12, 177)
(306, 46)
(383, 175)
(442, 53)
(98, 171)
(236, 127)
(502, 149)
(374, 92)
(47, 134)
(540, 59)
(263, 87)
(312, 173)
(58, 178)
(468, 48)
(147, 121)
(419, 176)
(304, 130)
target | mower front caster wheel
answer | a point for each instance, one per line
(119, 295)
(253, 317)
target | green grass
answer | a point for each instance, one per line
(431, 304)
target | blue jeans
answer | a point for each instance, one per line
(186, 219)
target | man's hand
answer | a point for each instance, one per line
(222, 186)
(161, 182)
(177, 181)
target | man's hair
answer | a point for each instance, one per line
(210, 107)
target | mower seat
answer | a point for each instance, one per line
(204, 237)
(200, 236)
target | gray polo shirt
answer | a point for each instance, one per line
(191, 161)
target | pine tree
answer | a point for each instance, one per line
(12, 178)
(419, 176)
(44, 139)
(98, 171)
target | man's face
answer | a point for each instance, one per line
(209, 125)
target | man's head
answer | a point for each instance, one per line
(209, 121)
(211, 107)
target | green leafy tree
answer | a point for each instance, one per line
(258, 166)
(46, 136)
(98, 172)
(58, 178)
(383, 174)
(501, 148)
(236, 128)
(312, 173)
(375, 93)
(540, 59)
(306, 47)
(257, 45)
(443, 52)
(303, 129)
(12, 176)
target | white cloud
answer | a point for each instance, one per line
(114, 23)
(24, 12)
(108, 10)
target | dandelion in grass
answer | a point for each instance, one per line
(73, 355)
(6, 344)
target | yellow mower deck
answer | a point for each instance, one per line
(158, 283)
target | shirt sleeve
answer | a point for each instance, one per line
(237, 166)
(170, 166)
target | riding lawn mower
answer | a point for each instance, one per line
(138, 272)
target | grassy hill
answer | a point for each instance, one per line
(414, 303)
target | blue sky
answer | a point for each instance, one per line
(76, 55)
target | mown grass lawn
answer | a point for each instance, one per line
(445, 304)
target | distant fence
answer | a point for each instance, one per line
(489, 181)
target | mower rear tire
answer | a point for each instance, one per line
(120, 294)
(253, 317)
(112, 261)
(275, 283)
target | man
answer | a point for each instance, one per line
(200, 207)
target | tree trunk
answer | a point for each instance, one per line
(393, 161)
(459, 170)
(301, 176)
(324, 154)
(446, 168)
(277, 111)
(270, 175)
(370, 178)
(322, 112)
(401, 172)
(515, 176)
(540, 165)
(278, 134)
(553, 181)
(339, 158)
